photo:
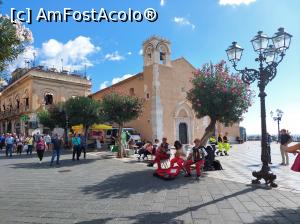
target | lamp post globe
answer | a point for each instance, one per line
(282, 39)
(260, 42)
(234, 52)
(270, 54)
(277, 117)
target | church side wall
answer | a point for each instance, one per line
(142, 87)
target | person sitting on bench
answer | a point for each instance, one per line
(146, 150)
(179, 155)
(162, 153)
(196, 157)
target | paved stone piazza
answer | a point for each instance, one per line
(102, 189)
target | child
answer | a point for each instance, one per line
(179, 155)
(196, 157)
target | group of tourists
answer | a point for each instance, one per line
(162, 153)
(222, 143)
(15, 143)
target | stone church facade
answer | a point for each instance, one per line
(163, 84)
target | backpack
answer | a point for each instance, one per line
(40, 145)
(217, 165)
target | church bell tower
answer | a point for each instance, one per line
(157, 50)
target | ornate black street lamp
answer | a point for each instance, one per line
(270, 54)
(277, 117)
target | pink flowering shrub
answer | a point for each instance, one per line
(222, 96)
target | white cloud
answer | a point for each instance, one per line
(236, 2)
(184, 22)
(74, 53)
(162, 2)
(115, 56)
(23, 59)
(104, 84)
(141, 52)
(129, 53)
(119, 79)
(115, 80)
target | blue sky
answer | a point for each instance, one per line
(199, 30)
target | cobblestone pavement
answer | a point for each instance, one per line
(245, 158)
(101, 189)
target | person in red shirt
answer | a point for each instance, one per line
(162, 153)
(196, 157)
(179, 155)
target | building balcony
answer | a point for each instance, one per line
(13, 112)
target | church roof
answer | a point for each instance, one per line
(120, 83)
(139, 75)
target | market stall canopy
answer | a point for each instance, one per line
(101, 127)
(78, 128)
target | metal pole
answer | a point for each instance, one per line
(262, 95)
(278, 121)
(264, 173)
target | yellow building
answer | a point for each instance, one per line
(33, 89)
(163, 84)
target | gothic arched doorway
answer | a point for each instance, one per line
(183, 133)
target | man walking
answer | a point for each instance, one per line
(285, 139)
(57, 143)
(76, 142)
(9, 141)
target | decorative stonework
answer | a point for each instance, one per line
(183, 113)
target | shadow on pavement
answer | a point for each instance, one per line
(272, 166)
(167, 217)
(254, 165)
(126, 184)
(138, 161)
(280, 215)
(33, 155)
(46, 164)
(23, 156)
